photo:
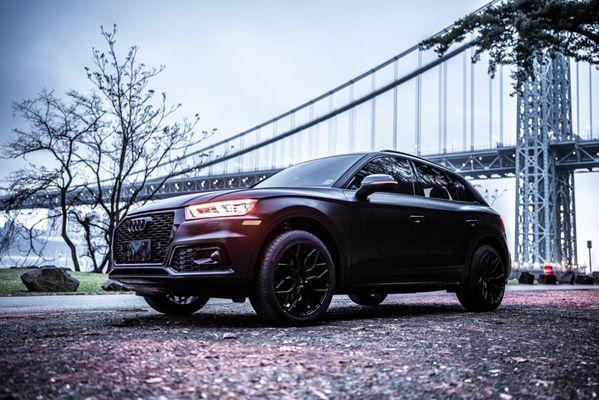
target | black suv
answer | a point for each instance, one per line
(363, 224)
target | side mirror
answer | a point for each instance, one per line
(376, 183)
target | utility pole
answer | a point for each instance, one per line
(590, 246)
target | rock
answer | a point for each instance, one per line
(112, 286)
(526, 278)
(545, 279)
(49, 279)
(582, 279)
(229, 335)
(567, 278)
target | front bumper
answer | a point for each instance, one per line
(238, 237)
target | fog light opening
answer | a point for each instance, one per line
(198, 259)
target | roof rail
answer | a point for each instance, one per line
(442, 166)
(404, 154)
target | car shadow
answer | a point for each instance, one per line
(244, 320)
(406, 311)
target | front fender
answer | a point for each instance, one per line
(329, 215)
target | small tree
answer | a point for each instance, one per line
(104, 145)
(520, 32)
(27, 240)
(136, 139)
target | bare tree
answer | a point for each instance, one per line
(54, 130)
(491, 197)
(105, 144)
(136, 141)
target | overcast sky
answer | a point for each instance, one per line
(236, 63)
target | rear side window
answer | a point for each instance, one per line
(463, 192)
(434, 183)
(398, 168)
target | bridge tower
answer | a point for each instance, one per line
(545, 217)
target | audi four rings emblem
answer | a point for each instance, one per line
(137, 225)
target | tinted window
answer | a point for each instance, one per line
(463, 192)
(398, 168)
(322, 172)
(434, 183)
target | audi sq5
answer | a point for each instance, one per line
(365, 225)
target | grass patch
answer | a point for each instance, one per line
(89, 283)
(11, 285)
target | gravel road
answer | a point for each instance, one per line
(539, 344)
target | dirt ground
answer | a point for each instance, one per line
(537, 345)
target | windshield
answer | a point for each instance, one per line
(323, 172)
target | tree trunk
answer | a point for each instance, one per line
(65, 235)
(71, 245)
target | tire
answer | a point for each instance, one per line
(295, 280)
(368, 299)
(176, 305)
(484, 286)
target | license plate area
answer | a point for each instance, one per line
(137, 251)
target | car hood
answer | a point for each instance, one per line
(262, 193)
(180, 201)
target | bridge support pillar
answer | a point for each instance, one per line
(545, 218)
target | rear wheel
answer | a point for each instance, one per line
(368, 299)
(176, 305)
(296, 280)
(485, 284)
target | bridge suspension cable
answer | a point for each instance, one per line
(210, 149)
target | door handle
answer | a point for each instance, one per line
(473, 222)
(417, 219)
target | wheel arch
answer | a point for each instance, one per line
(311, 223)
(494, 242)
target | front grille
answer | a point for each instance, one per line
(159, 229)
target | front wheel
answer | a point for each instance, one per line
(176, 305)
(368, 299)
(296, 280)
(485, 284)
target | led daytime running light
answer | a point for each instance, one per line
(215, 209)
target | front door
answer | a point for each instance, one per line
(387, 230)
(386, 227)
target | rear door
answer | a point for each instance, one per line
(449, 222)
(386, 227)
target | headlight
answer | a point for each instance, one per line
(214, 209)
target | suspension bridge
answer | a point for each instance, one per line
(447, 109)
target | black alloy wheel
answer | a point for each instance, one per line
(491, 278)
(181, 299)
(296, 280)
(484, 287)
(171, 304)
(302, 279)
(368, 299)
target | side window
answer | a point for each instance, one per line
(463, 192)
(398, 168)
(434, 183)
